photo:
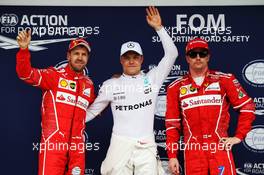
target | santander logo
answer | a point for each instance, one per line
(184, 105)
(61, 97)
(203, 100)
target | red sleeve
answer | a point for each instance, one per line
(242, 103)
(172, 122)
(43, 78)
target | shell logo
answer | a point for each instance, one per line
(183, 90)
(63, 83)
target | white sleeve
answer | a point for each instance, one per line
(160, 72)
(100, 103)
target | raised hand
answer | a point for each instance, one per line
(24, 38)
(153, 17)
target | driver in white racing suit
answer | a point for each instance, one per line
(132, 97)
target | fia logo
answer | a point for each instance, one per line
(9, 19)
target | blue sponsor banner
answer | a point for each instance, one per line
(235, 36)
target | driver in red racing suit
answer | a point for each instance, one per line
(200, 102)
(67, 93)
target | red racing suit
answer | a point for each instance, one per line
(66, 96)
(203, 113)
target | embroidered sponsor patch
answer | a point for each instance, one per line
(236, 83)
(187, 90)
(66, 98)
(192, 89)
(67, 84)
(63, 83)
(213, 87)
(241, 94)
(72, 85)
(87, 92)
(203, 100)
(183, 90)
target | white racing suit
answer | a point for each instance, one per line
(126, 155)
(133, 100)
